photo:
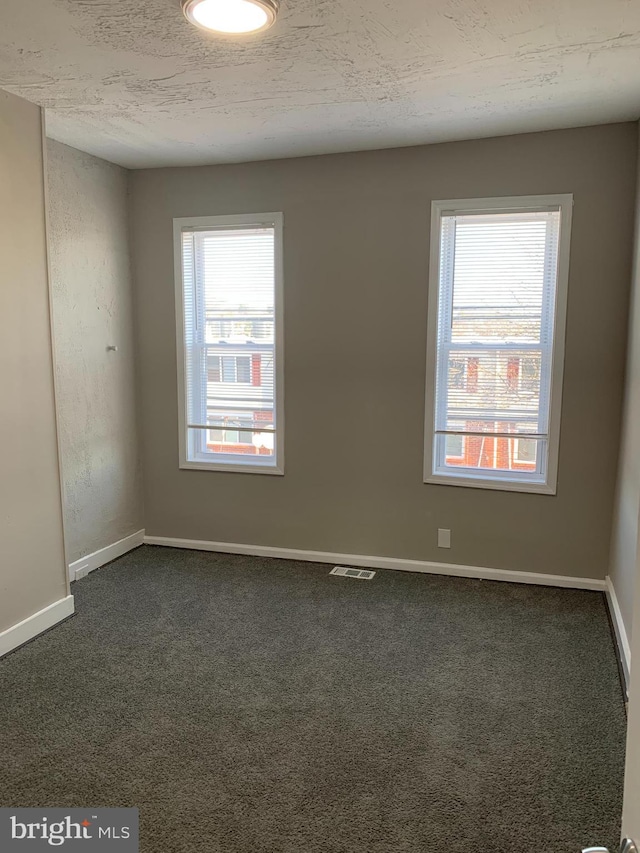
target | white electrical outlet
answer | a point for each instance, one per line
(444, 537)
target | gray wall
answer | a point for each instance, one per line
(93, 309)
(32, 569)
(624, 542)
(356, 255)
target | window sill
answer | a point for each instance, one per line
(492, 485)
(274, 470)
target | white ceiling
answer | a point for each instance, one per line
(132, 81)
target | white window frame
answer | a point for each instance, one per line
(499, 480)
(230, 461)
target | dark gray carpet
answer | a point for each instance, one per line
(250, 705)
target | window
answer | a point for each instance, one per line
(497, 304)
(455, 447)
(525, 450)
(530, 374)
(457, 372)
(230, 353)
(226, 368)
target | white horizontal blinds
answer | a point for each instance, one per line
(193, 353)
(231, 341)
(497, 293)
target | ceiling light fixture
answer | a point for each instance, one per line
(232, 17)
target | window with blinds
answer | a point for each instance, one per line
(497, 304)
(230, 359)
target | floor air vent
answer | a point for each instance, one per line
(361, 574)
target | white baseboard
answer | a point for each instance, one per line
(33, 625)
(367, 562)
(82, 567)
(622, 640)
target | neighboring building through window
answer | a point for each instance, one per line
(229, 303)
(525, 450)
(229, 368)
(497, 305)
(455, 448)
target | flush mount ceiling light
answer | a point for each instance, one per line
(231, 16)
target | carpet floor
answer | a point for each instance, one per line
(250, 705)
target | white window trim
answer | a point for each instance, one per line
(232, 462)
(501, 481)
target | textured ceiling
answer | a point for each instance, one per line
(132, 81)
